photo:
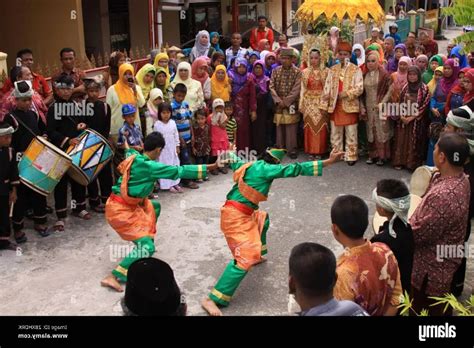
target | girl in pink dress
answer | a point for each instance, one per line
(219, 141)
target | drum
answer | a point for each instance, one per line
(420, 179)
(42, 166)
(89, 156)
(379, 220)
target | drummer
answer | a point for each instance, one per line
(64, 125)
(392, 200)
(29, 125)
(8, 182)
(100, 122)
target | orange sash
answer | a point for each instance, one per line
(247, 191)
(134, 219)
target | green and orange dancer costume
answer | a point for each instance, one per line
(244, 226)
(131, 213)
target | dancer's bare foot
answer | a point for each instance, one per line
(211, 307)
(111, 282)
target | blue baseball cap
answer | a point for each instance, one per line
(128, 109)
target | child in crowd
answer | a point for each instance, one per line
(8, 182)
(392, 200)
(130, 131)
(169, 154)
(378, 291)
(219, 141)
(202, 138)
(182, 115)
(100, 122)
(231, 125)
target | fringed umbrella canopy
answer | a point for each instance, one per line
(311, 10)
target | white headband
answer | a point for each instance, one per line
(398, 206)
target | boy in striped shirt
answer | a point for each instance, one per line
(182, 115)
(231, 126)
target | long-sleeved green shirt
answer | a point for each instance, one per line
(261, 174)
(145, 172)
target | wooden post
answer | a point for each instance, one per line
(284, 16)
(235, 16)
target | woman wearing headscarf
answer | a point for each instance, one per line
(145, 77)
(156, 98)
(421, 61)
(245, 102)
(162, 60)
(263, 45)
(377, 92)
(377, 48)
(194, 94)
(400, 51)
(358, 54)
(461, 57)
(316, 128)
(468, 82)
(215, 36)
(438, 74)
(434, 62)
(162, 82)
(111, 75)
(399, 78)
(253, 57)
(259, 128)
(202, 46)
(220, 84)
(455, 96)
(447, 82)
(270, 59)
(200, 73)
(411, 131)
(124, 91)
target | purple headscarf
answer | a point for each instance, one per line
(447, 83)
(238, 80)
(261, 81)
(393, 62)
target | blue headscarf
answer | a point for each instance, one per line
(252, 54)
(456, 52)
(217, 46)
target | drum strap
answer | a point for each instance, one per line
(24, 125)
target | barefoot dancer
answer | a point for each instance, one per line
(130, 212)
(243, 225)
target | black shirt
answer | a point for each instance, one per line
(62, 122)
(22, 136)
(402, 247)
(100, 120)
(8, 170)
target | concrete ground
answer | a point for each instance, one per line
(60, 274)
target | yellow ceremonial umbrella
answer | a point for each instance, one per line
(311, 10)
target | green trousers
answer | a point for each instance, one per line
(233, 275)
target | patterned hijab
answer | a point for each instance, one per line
(239, 80)
(199, 49)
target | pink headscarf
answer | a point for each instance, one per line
(200, 62)
(401, 78)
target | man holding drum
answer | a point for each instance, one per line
(63, 128)
(29, 125)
